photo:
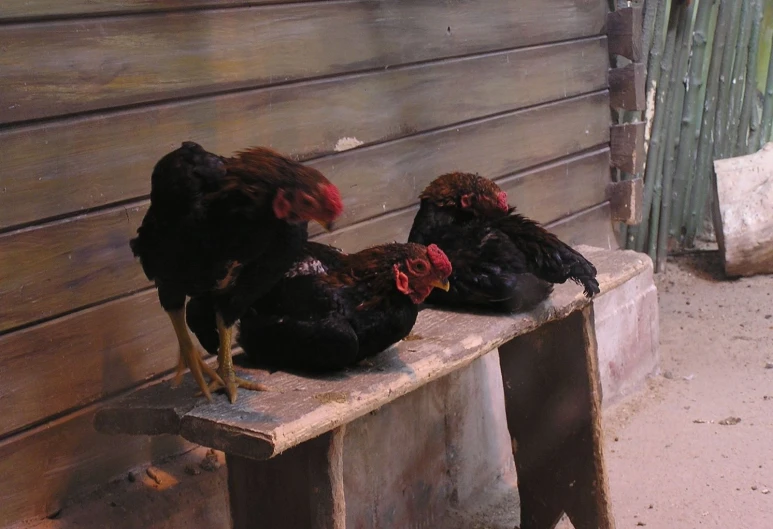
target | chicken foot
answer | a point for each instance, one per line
(189, 355)
(227, 376)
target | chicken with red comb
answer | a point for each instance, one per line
(501, 260)
(226, 228)
(332, 310)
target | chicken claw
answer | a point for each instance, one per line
(225, 369)
(189, 355)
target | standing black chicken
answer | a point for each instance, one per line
(332, 310)
(230, 228)
(501, 260)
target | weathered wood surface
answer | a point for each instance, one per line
(85, 260)
(398, 171)
(263, 425)
(109, 157)
(300, 489)
(626, 87)
(105, 349)
(67, 265)
(627, 143)
(106, 62)
(624, 27)
(625, 200)
(14, 10)
(591, 226)
(743, 212)
(553, 406)
(43, 467)
(71, 361)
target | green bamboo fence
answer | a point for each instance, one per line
(710, 84)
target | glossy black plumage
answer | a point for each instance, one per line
(226, 229)
(210, 227)
(330, 311)
(501, 260)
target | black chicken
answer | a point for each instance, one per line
(332, 310)
(229, 228)
(501, 260)
(315, 259)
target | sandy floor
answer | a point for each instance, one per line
(677, 457)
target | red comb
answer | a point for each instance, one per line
(502, 201)
(333, 199)
(439, 260)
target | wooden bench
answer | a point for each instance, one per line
(296, 455)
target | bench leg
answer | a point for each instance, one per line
(553, 403)
(299, 489)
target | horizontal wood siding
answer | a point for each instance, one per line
(382, 96)
(82, 65)
(78, 163)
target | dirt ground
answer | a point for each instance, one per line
(677, 454)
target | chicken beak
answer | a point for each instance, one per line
(442, 284)
(327, 225)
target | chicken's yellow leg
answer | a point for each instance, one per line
(189, 354)
(225, 366)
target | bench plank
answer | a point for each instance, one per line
(263, 425)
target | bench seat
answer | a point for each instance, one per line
(295, 433)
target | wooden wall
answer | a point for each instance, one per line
(92, 93)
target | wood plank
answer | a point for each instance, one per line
(85, 260)
(398, 171)
(624, 27)
(592, 227)
(553, 405)
(68, 264)
(44, 467)
(109, 157)
(626, 87)
(545, 194)
(262, 425)
(14, 10)
(77, 359)
(625, 200)
(628, 151)
(105, 62)
(301, 489)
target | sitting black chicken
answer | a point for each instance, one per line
(332, 310)
(501, 260)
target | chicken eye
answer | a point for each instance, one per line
(418, 267)
(306, 201)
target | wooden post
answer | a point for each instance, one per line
(624, 30)
(627, 144)
(625, 200)
(553, 406)
(299, 489)
(627, 87)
